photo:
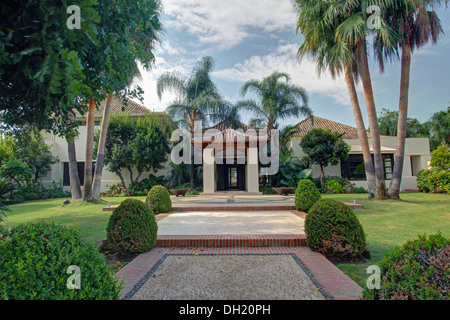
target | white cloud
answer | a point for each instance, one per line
(149, 78)
(228, 23)
(284, 59)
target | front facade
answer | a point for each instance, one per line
(240, 170)
(417, 154)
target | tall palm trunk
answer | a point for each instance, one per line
(75, 185)
(192, 165)
(87, 190)
(101, 149)
(394, 189)
(363, 66)
(362, 133)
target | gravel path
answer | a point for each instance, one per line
(229, 277)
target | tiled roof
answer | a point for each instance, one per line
(131, 107)
(222, 127)
(320, 123)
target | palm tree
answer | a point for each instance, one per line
(335, 57)
(197, 98)
(417, 23)
(352, 29)
(278, 100)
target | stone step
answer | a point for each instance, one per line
(238, 208)
(226, 241)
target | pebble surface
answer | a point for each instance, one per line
(229, 277)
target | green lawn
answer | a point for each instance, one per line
(386, 223)
(89, 218)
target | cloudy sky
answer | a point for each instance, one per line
(253, 38)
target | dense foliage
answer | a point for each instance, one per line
(34, 259)
(25, 159)
(333, 229)
(436, 179)
(324, 148)
(306, 195)
(131, 228)
(136, 146)
(158, 199)
(420, 270)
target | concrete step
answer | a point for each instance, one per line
(237, 241)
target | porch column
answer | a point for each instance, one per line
(209, 171)
(252, 172)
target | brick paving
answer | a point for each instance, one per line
(328, 277)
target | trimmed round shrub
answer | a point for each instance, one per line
(333, 229)
(35, 260)
(420, 270)
(132, 228)
(306, 195)
(158, 199)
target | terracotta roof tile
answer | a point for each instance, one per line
(131, 107)
(320, 123)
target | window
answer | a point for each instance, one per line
(80, 167)
(353, 168)
(388, 162)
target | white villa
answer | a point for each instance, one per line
(242, 174)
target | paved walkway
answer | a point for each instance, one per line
(186, 273)
(231, 222)
(235, 255)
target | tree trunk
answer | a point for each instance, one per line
(122, 180)
(75, 186)
(363, 67)
(192, 165)
(87, 190)
(362, 133)
(322, 177)
(131, 176)
(394, 189)
(97, 184)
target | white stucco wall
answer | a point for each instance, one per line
(417, 152)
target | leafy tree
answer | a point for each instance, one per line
(324, 148)
(439, 128)
(279, 99)
(17, 171)
(31, 148)
(440, 158)
(388, 122)
(135, 145)
(41, 70)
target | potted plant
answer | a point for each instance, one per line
(290, 180)
(180, 190)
